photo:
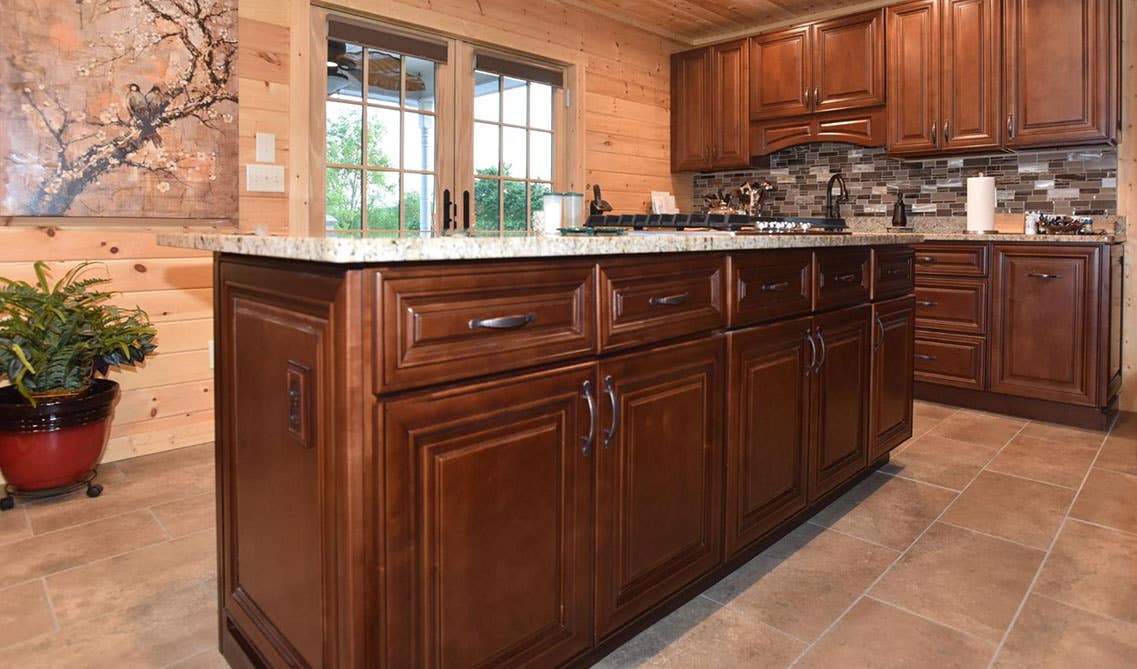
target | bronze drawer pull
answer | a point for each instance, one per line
(894, 271)
(925, 259)
(503, 322)
(845, 278)
(774, 287)
(922, 356)
(670, 300)
(610, 390)
(925, 303)
(1043, 275)
(586, 390)
(880, 326)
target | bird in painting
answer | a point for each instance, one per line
(156, 101)
(141, 114)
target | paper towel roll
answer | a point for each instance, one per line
(980, 204)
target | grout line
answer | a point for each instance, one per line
(160, 523)
(1083, 521)
(191, 656)
(992, 536)
(1027, 478)
(986, 642)
(1041, 565)
(928, 483)
(1106, 616)
(903, 553)
(852, 536)
(140, 507)
(50, 605)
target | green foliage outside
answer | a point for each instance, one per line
(56, 337)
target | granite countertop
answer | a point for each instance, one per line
(388, 248)
(1011, 237)
(952, 229)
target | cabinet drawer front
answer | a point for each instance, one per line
(951, 360)
(966, 259)
(842, 277)
(893, 272)
(770, 285)
(442, 324)
(647, 300)
(957, 305)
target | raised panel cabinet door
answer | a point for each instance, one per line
(1060, 58)
(659, 476)
(913, 77)
(781, 83)
(690, 111)
(768, 431)
(730, 104)
(488, 526)
(894, 339)
(848, 62)
(971, 74)
(839, 447)
(1044, 329)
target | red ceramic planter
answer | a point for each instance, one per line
(58, 441)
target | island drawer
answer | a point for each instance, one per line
(957, 305)
(948, 259)
(767, 285)
(893, 272)
(950, 359)
(436, 324)
(644, 300)
(842, 277)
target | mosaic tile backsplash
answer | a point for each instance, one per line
(1053, 181)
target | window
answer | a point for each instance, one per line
(396, 134)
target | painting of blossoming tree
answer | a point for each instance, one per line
(118, 108)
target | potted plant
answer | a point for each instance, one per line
(56, 341)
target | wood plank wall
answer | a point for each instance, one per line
(1127, 195)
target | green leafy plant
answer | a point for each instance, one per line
(55, 337)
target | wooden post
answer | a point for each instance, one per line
(1127, 193)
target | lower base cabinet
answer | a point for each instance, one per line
(894, 336)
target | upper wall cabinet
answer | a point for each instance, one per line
(827, 66)
(709, 116)
(1061, 77)
(943, 76)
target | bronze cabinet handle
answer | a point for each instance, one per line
(947, 131)
(1011, 125)
(925, 303)
(922, 356)
(926, 259)
(934, 134)
(775, 287)
(821, 354)
(816, 96)
(1043, 275)
(503, 322)
(880, 327)
(812, 353)
(808, 104)
(894, 271)
(610, 390)
(670, 300)
(845, 278)
(590, 438)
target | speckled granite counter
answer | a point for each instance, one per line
(1035, 239)
(951, 229)
(390, 248)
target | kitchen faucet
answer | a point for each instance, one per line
(833, 208)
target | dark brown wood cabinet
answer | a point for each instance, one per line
(659, 482)
(894, 338)
(709, 107)
(943, 76)
(1061, 59)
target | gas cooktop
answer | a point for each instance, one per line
(740, 223)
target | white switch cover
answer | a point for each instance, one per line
(266, 147)
(264, 178)
(211, 354)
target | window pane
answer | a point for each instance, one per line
(541, 155)
(384, 76)
(382, 201)
(344, 133)
(536, 193)
(383, 137)
(344, 199)
(541, 106)
(487, 97)
(513, 152)
(418, 201)
(486, 147)
(418, 142)
(486, 201)
(516, 216)
(345, 71)
(514, 102)
(420, 83)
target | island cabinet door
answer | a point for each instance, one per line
(893, 347)
(768, 428)
(487, 548)
(659, 494)
(840, 398)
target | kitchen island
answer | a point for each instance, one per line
(501, 451)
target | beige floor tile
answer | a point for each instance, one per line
(962, 579)
(210, 659)
(1108, 498)
(1052, 634)
(979, 428)
(941, 461)
(1119, 455)
(25, 613)
(1126, 425)
(877, 635)
(802, 583)
(127, 580)
(49, 553)
(1013, 508)
(1093, 568)
(186, 516)
(886, 510)
(152, 633)
(14, 525)
(1064, 434)
(168, 463)
(1057, 462)
(926, 415)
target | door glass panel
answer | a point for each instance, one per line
(343, 206)
(384, 77)
(383, 201)
(513, 152)
(487, 203)
(487, 96)
(420, 84)
(515, 101)
(344, 133)
(418, 201)
(516, 215)
(383, 137)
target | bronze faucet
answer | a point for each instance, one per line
(833, 208)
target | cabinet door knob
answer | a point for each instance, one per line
(1043, 275)
(590, 399)
(610, 391)
(502, 322)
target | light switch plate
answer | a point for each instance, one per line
(264, 178)
(266, 147)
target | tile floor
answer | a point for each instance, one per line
(987, 541)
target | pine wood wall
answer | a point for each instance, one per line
(1127, 196)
